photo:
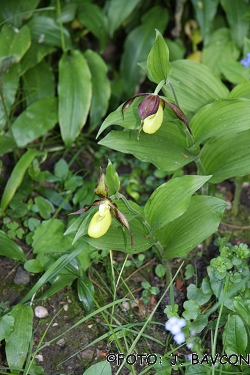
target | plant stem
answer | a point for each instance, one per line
(173, 92)
(238, 188)
(159, 86)
(218, 322)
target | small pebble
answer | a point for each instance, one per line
(41, 312)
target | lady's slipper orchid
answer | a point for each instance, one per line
(101, 221)
(151, 109)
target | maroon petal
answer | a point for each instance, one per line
(128, 103)
(178, 112)
(148, 106)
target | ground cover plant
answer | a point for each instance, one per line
(119, 123)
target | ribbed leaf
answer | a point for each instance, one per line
(227, 156)
(19, 340)
(158, 59)
(35, 121)
(6, 144)
(171, 199)
(100, 87)
(118, 11)
(166, 148)
(235, 12)
(74, 90)
(17, 176)
(9, 248)
(198, 222)
(220, 49)
(9, 85)
(205, 13)
(93, 18)
(195, 85)
(46, 31)
(39, 83)
(221, 117)
(138, 45)
(240, 91)
(235, 335)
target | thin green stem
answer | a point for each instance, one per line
(61, 24)
(218, 322)
(173, 92)
(238, 188)
(159, 87)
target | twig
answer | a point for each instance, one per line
(235, 226)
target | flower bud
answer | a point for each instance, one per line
(152, 123)
(101, 221)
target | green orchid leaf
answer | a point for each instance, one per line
(224, 116)
(166, 148)
(19, 340)
(85, 291)
(35, 121)
(226, 156)
(17, 176)
(45, 30)
(6, 144)
(235, 335)
(100, 87)
(14, 43)
(205, 16)
(9, 86)
(240, 91)
(38, 83)
(103, 368)
(74, 90)
(158, 59)
(239, 26)
(93, 18)
(10, 249)
(6, 325)
(195, 85)
(198, 222)
(128, 119)
(219, 50)
(118, 12)
(112, 179)
(171, 199)
(138, 44)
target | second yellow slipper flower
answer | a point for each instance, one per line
(101, 221)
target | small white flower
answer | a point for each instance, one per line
(179, 338)
(190, 345)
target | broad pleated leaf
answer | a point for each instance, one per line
(19, 340)
(240, 91)
(221, 117)
(166, 148)
(118, 11)
(45, 30)
(234, 72)
(138, 44)
(100, 87)
(195, 85)
(17, 176)
(198, 222)
(9, 84)
(74, 90)
(93, 18)
(85, 290)
(239, 25)
(205, 13)
(34, 55)
(118, 238)
(158, 59)
(13, 43)
(171, 199)
(6, 144)
(9, 248)
(38, 83)
(227, 156)
(35, 121)
(220, 49)
(235, 335)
